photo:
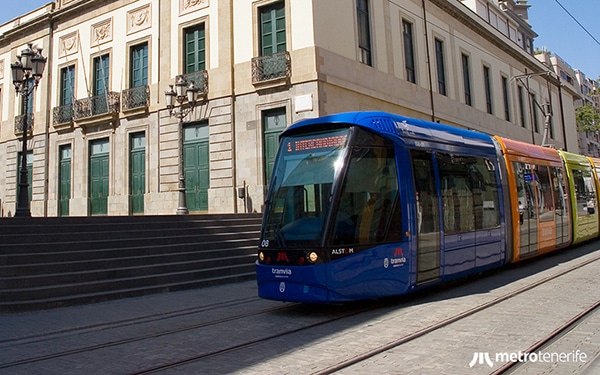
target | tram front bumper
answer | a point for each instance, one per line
(292, 284)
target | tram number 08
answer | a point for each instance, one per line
(264, 243)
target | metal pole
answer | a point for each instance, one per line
(182, 204)
(180, 97)
(23, 198)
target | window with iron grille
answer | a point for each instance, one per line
(64, 113)
(273, 61)
(100, 101)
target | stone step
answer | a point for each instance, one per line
(47, 262)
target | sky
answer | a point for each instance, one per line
(558, 31)
(12, 9)
(562, 35)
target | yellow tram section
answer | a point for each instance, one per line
(596, 169)
(583, 192)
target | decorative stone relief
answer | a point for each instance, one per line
(1, 69)
(68, 45)
(139, 19)
(102, 32)
(187, 6)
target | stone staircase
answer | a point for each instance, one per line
(51, 262)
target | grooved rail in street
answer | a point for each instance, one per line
(50, 262)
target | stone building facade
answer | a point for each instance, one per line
(103, 142)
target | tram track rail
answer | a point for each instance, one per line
(250, 343)
(122, 322)
(129, 322)
(240, 346)
(453, 319)
(554, 336)
(381, 349)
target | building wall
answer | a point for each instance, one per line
(326, 77)
(347, 84)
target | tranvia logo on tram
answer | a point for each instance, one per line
(281, 272)
(398, 260)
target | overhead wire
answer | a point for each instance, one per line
(577, 21)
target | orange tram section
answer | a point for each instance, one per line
(553, 197)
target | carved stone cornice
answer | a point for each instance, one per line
(479, 26)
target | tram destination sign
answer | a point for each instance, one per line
(316, 142)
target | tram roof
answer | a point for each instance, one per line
(528, 150)
(409, 130)
(576, 159)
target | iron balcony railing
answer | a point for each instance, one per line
(275, 66)
(97, 105)
(135, 98)
(62, 114)
(200, 79)
(20, 123)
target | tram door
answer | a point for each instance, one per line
(428, 221)
(527, 188)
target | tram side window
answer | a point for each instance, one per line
(368, 208)
(457, 195)
(585, 193)
(485, 188)
(560, 204)
(469, 193)
(526, 179)
(560, 191)
(546, 202)
(426, 195)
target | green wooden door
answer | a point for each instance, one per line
(137, 172)
(274, 123)
(196, 166)
(64, 180)
(98, 184)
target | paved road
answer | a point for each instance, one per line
(510, 326)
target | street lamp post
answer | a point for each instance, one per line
(186, 95)
(27, 73)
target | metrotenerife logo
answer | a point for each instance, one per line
(481, 358)
(484, 358)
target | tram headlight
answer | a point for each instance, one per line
(313, 257)
(261, 256)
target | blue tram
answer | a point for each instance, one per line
(370, 204)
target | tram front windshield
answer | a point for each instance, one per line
(342, 182)
(301, 186)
